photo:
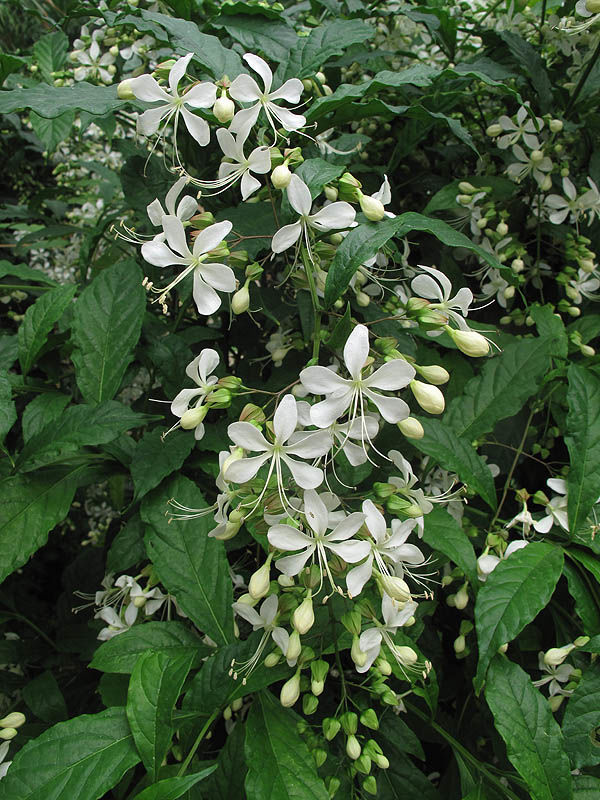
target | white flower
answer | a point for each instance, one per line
(245, 435)
(238, 166)
(556, 508)
(384, 195)
(343, 433)
(386, 548)
(264, 620)
(201, 95)
(4, 765)
(436, 286)
(562, 208)
(334, 216)
(371, 640)
(556, 675)
(199, 371)
(246, 90)
(207, 277)
(487, 563)
(524, 519)
(584, 285)
(529, 164)
(93, 64)
(590, 201)
(350, 393)
(525, 128)
(116, 623)
(494, 285)
(338, 541)
(184, 210)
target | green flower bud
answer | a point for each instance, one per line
(372, 208)
(224, 108)
(370, 785)
(494, 130)
(320, 756)
(281, 177)
(363, 764)
(358, 656)
(331, 728)
(349, 722)
(556, 655)
(258, 586)
(434, 374)
(333, 786)
(191, 418)
(252, 413)
(467, 188)
(351, 620)
(470, 343)
(395, 587)
(290, 691)
(459, 644)
(272, 660)
(411, 428)
(303, 617)
(368, 718)
(556, 125)
(383, 666)
(8, 733)
(13, 720)
(240, 302)
(331, 193)
(201, 221)
(353, 748)
(461, 598)
(428, 397)
(124, 91)
(309, 704)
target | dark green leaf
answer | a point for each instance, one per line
(551, 328)
(9, 350)
(8, 410)
(42, 410)
(513, 595)
(79, 426)
(527, 58)
(10, 64)
(586, 787)
(154, 687)
(445, 199)
(404, 779)
(24, 272)
(120, 653)
(534, 743)
(275, 39)
(192, 566)
(51, 102)
(39, 320)
(582, 721)
(310, 54)
(50, 52)
(45, 699)
(585, 604)
(316, 173)
(155, 458)
(230, 774)
(583, 441)
(127, 548)
(272, 739)
(501, 388)
(173, 788)
(51, 132)
(456, 454)
(445, 535)
(106, 328)
(365, 240)
(82, 758)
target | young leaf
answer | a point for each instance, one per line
(585, 604)
(154, 687)
(582, 719)
(42, 410)
(51, 132)
(279, 762)
(513, 595)
(550, 327)
(192, 566)
(444, 534)
(39, 320)
(127, 547)
(106, 328)
(534, 743)
(171, 638)
(173, 788)
(457, 455)
(83, 758)
(501, 388)
(45, 699)
(79, 426)
(583, 441)
(155, 458)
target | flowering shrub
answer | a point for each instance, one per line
(298, 395)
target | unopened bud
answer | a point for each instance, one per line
(372, 208)
(272, 660)
(281, 177)
(331, 727)
(240, 302)
(470, 343)
(319, 755)
(494, 130)
(349, 722)
(368, 718)
(428, 397)
(351, 620)
(556, 125)
(518, 265)
(411, 428)
(353, 748)
(370, 784)
(8, 733)
(395, 587)
(363, 764)
(124, 91)
(259, 584)
(383, 665)
(434, 374)
(502, 228)
(290, 691)
(191, 418)
(303, 617)
(13, 720)
(224, 108)
(556, 701)
(459, 644)
(556, 655)
(461, 598)
(294, 647)
(331, 193)
(358, 656)
(537, 156)
(310, 704)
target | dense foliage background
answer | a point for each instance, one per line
(474, 127)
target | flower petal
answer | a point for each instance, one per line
(207, 362)
(357, 577)
(285, 237)
(177, 72)
(335, 215)
(197, 127)
(211, 237)
(182, 400)
(246, 468)
(245, 119)
(246, 435)
(347, 528)
(219, 276)
(291, 91)
(173, 228)
(315, 512)
(245, 89)
(158, 254)
(285, 419)
(146, 88)
(326, 412)
(298, 195)
(284, 537)
(291, 565)
(148, 122)
(227, 144)
(305, 475)
(392, 409)
(356, 350)
(263, 69)
(248, 613)
(375, 521)
(321, 380)
(206, 299)
(248, 185)
(393, 375)
(202, 95)
(287, 120)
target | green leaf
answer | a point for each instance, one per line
(45, 699)
(30, 509)
(316, 173)
(323, 42)
(9, 350)
(551, 328)
(529, 60)
(445, 198)
(276, 39)
(500, 390)
(79, 426)
(24, 272)
(39, 320)
(583, 442)
(445, 535)
(127, 547)
(280, 765)
(154, 687)
(403, 779)
(534, 743)
(456, 455)
(585, 605)
(586, 787)
(9, 64)
(155, 458)
(590, 562)
(50, 102)
(171, 638)
(230, 774)
(192, 566)
(50, 52)
(365, 240)
(8, 410)
(173, 788)
(106, 328)
(42, 410)
(582, 720)
(82, 758)
(513, 595)
(51, 132)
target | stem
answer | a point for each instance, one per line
(196, 744)
(542, 20)
(31, 624)
(590, 65)
(338, 660)
(316, 305)
(512, 468)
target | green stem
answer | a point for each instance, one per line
(590, 66)
(338, 661)
(308, 269)
(542, 20)
(31, 624)
(196, 744)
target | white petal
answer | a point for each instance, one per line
(291, 565)
(245, 89)
(313, 445)
(146, 88)
(263, 69)
(347, 528)
(155, 212)
(285, 237)
(158, 254)
(391, 376)
(558, 485)
(285, 419)
(335, 215)
(306, 476)
(182, 401)
(298, 194)
(227, 144)
(246, 468)
(202, 95)
(187, 207)
(326, 412)
(518, 544)
(383, 194)
(425, 286)
(287, 120)
(173, 194)
(291, 91)
(268, 608)
(211, 237)
(284, 537)
(351, 551)
(392, 409)
(356, 350)
(354, 453)
(315, 512)
(321, 380)
(149, 121)
(245, 119)
(219, 276)
(357, 577)
(177, 72)
(208, 361)
(197, 127)
(281, 638)
(249, 185)
(543, 525)
(248, 613)
(206, 299)
(375, 521)
(245, 435)
(260, 160)
(173, 228)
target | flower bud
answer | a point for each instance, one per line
(372, 208)
(363, 764)
(546, 184)
(502, 228)
(240, 302)
(8, 733)
(593, 6)
(294, 647)
(580, 641)
(555, 702)
(518, 265)
(368, 718)
(349, 722)
(353, 748)
(358, 656)
(191, 418)
(428, 397)
(494, 130)
(272, 660)
(310, 704)
(459, 644)
(349, 188)
(303, 617)
(203, 220)
(406, 655)
(331, 727)
(381, 760)
(318, 671)
(290, 691)
(281, 176)
(536, 156)
(389, 698)
(362, 299)
(331, 193)
(258, 586)
(13, 720)
(124, 91)
(434, 374)
(351, 620)
(370, 784)
(383, 665)
(470, 343)
(586, 264)
(503, 648)
(395, 587)
(319, 755)
(224, 108)
(461, 598)
(411, 428)
(556, 655)
(556, 125)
